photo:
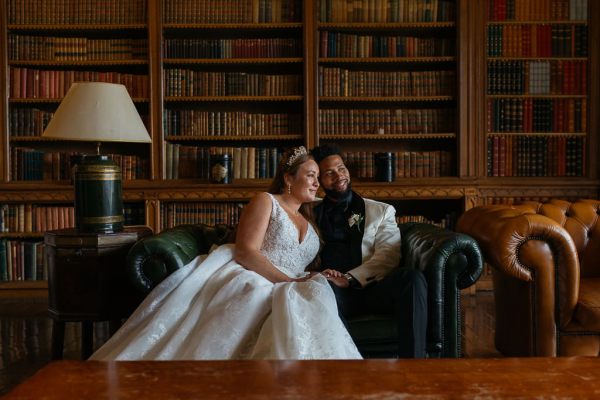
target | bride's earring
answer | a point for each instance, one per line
(289, 188)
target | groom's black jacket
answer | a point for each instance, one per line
(342, 247)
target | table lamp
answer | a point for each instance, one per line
(97, 112)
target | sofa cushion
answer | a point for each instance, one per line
(587, 312)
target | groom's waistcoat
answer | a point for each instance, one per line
(342, 226)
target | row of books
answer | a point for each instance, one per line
(184, 82)
(27, 338)
(554, 40)
(28, 217)
(386, 10)
(537, 77)
(28, 164)
(194, 162)
(232, 48)
(210, 213)
(31, 122)
(406, 164)
(445, 223)
(28, 121)
(537, 10)
(537, 115)
(348, 45)
(52, 48)
(389, 121)
(536, 156)
(231, 11)
(56, 12)
(29, 83)
(229, 123)
(22, 260)
(520, 199)
(344, 82)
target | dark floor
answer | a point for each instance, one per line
(26, 329)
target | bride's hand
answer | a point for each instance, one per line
(305, 277)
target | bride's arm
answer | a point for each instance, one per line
(249, 239)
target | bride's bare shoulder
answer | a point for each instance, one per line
(261, 199)
(260, 204)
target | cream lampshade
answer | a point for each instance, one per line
(98, 112)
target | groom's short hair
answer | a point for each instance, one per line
(321, 152)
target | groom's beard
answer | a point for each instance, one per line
(339, 196)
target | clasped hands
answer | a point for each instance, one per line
(332, 275)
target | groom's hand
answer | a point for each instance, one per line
(336, 277)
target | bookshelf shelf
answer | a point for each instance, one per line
(79, 63)
(24, 285)
(196, 99)
(75, 27)
(58, 100)
(411, 99)
(357, 60)
(234, 138)
(387, 136)
(244, 26)
(536, 96)
(217, 61)
(555, 58)
(550, 134)
(22, 235)
(545, 22)
(385, 25)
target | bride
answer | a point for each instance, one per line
(251, 300)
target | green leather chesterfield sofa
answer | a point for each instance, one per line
(449, 260)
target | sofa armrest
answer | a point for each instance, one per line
(528, 247)
(153, 258)
(450, 261)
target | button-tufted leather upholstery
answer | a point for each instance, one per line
(450, 262)
(546, 274)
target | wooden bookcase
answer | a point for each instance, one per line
(409, 77)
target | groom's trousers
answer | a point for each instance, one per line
(403, 292)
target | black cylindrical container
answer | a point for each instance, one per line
(220, 168)
(98, 195)
(385, 170)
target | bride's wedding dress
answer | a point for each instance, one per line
(213, 308)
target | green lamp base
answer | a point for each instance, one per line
(98, 195)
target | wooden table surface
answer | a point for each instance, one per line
(574, 377)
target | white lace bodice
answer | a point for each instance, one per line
(281, 246)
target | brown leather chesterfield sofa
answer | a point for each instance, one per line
(545, 260)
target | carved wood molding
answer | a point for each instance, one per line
(412, 192)
(39, 196)
(207, 194)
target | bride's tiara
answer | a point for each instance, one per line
(298, 152)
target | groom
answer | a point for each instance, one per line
(362, 240)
